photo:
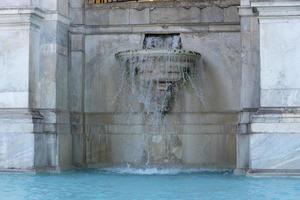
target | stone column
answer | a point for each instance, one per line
(274, 142)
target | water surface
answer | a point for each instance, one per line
(150, 184)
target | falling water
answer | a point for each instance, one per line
(153, 75)
(154, 72)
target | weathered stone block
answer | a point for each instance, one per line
(118, 16)
(45, 151)
(97, 17)
(76, 16)
(17, 151)
(127, 149)
(77, 42)
(62, 35)
(245, 24)
(18, 3)
(274, 151)
(14, 60)
(78, 152)
(63, 7)
(280, 84)
(243, 152)
(76, 3)
(175, 15)
(212, 14)
(139, 16)
(64, 151)
(75, 85)
(209, 150)
(49, 4)
(62, 82)
(231, 14)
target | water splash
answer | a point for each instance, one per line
(162, 170)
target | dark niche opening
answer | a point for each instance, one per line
(162, 41)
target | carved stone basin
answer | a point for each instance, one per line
(154, 74)
(160, 65)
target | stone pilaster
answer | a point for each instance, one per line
(34, 115)
(250, 80)
(274, 139)
(19, 61)
(76, 96)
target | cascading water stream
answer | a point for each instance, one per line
(153, 76)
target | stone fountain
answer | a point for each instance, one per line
(155, 72)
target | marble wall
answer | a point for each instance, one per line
(62, 103)
(279, 64)
(268, 139)
(115, 129)
(274, 142)
(34, 116)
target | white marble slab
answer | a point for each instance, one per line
(16, 151)
(280, 83)
(275, 151)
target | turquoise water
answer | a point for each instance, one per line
(153, 184)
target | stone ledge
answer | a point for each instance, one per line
(156, 28)
(161, 15)
(182, 118)
(272, 173)
(277, 8)
(228, 129)
(23, 16)
(276, 127)
(246, 11)
(166, 3)
(54, 16)
(35, 121)
(20, 11)
(277, 116)
(34, 16)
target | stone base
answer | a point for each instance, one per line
(203, 140)
(272, 172)
(274, 142)
(32, 141)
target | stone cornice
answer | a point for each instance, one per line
(28, 16)
(276, 9)
(246, 11)
(167, 3)
(21, 17)
(54, 16)
(157, 28)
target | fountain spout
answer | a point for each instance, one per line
(157, 70)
